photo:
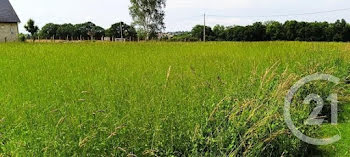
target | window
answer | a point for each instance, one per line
(11, 30)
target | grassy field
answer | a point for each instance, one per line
(164, 99)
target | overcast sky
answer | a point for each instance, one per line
(180, 14)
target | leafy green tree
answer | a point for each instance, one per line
(99, 32)
(128, 32)
(329, 33)
(274, 30)
(141, 34)
(49, 30)
(148, 15)
(339, 30)
(258, 32)
(235, 33)
(248, 33)
(255, 32)
(347, 33)
(290, 28)
(184, 36)
(219, 32)
(31, 28)
(65, 31)
(22, 37)
(198, 32)
(318, 31)
(80, 32)
(302, 31)
(87, 30)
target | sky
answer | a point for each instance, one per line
(181, 15)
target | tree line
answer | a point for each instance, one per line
(86, 31)
(271, 31)
(148, 17)
(267, 31)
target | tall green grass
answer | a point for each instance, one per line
(164, 99)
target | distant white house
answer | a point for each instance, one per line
(8, 22)
(165, 35)
(113, 39)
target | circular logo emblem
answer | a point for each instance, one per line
(313, 119)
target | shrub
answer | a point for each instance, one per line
(184, 37)
(22, 37)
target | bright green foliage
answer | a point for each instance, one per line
(89, 30)
(31, 28)
(65, 31)
(164, 99)
(22, 37)
(84, 31)
(341, 148)
(128, 32)
(49, 31)
(148, 15)
(219, 32)
(184, 36)
(274, 30)
(198, 32)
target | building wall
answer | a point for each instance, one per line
(8, 32)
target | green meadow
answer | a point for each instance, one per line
(166, 99)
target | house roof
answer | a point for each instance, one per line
(7, 13)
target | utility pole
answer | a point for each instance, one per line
(121, 30)
(204, 29)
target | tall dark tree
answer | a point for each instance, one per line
(65, 31)
(219, 32)
(80, 32)
(99, 32)
(318, 31)
(290, 28)
(274, 30)
(303, 31)
(148, 15)
(339, 30)
(31, 28)
(86, 30)
(258, 32)
(49, 31)
(235, 33)
(198, 32)
(346, 33)
(128, 31)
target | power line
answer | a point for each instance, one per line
(188, 17)
(284, 15)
